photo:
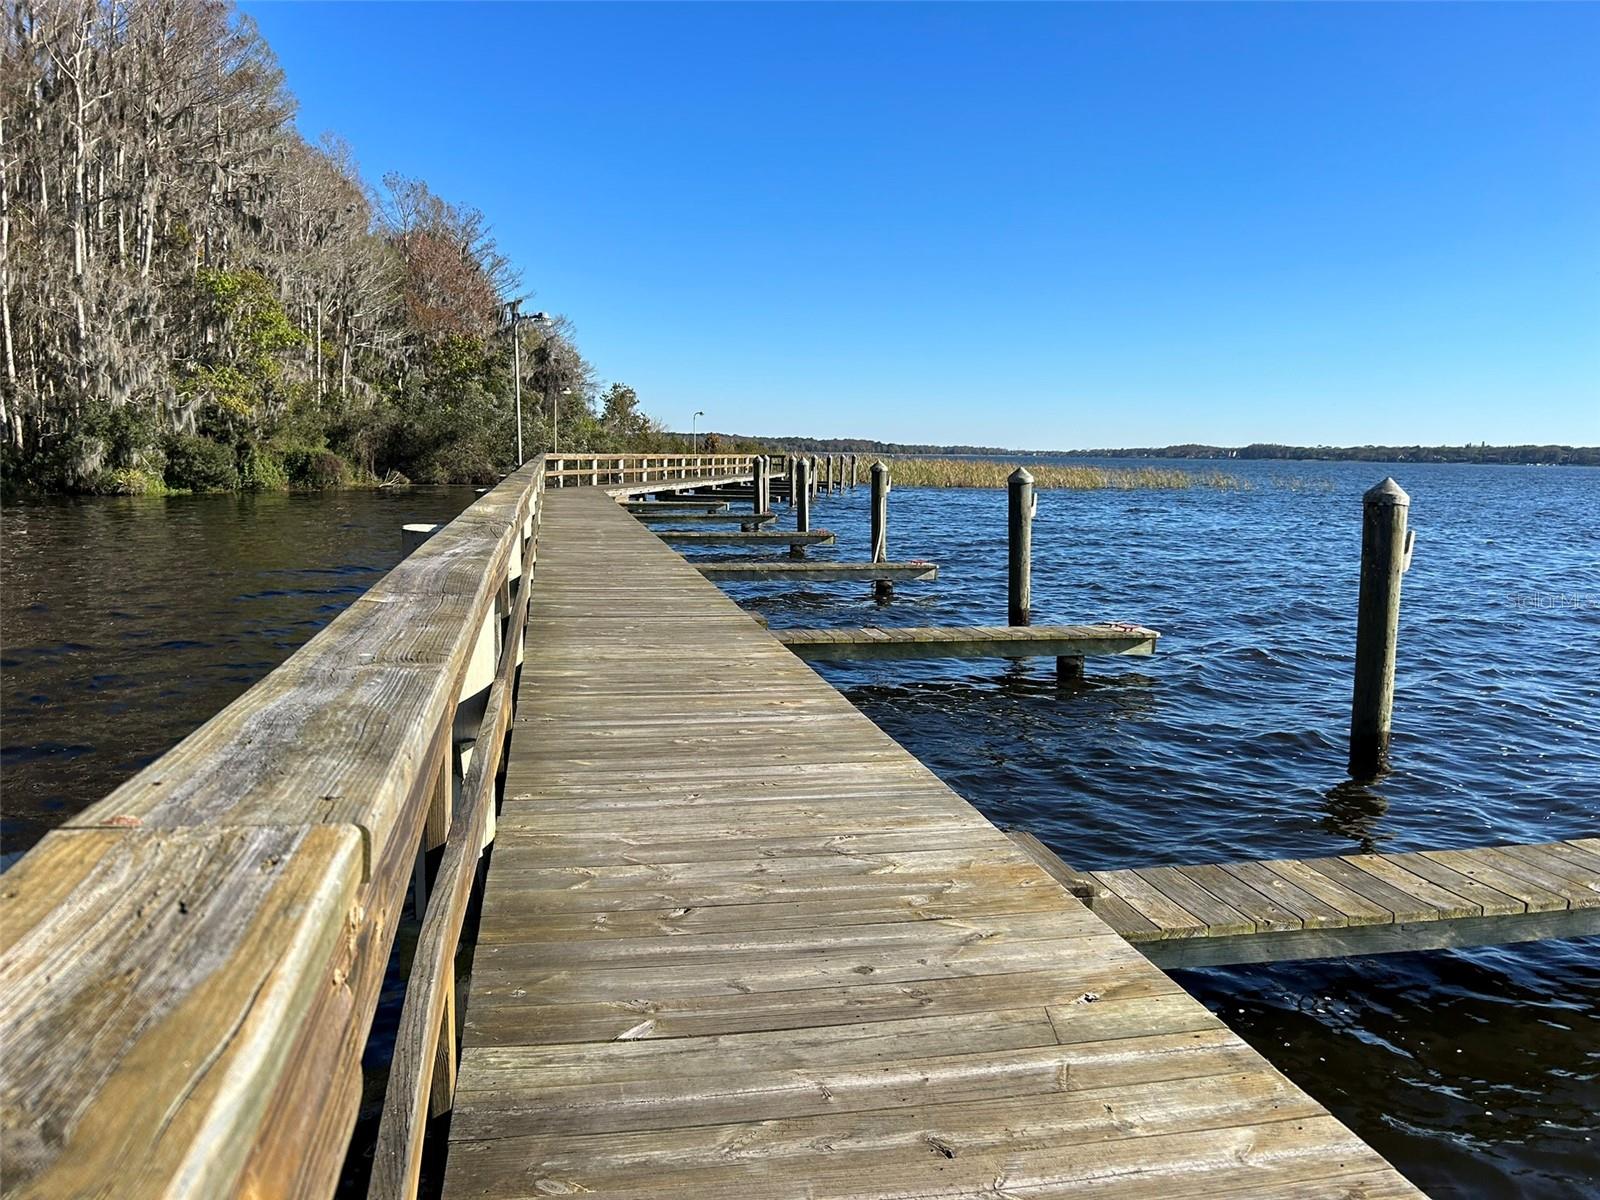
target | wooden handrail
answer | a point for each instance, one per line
(189, 968)
(422, 1069)
(617, 471)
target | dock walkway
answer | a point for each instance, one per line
(736, 942)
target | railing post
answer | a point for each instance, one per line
(1385, 555)
(1020, 508)
(882, 589)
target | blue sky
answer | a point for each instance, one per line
(1020, 225)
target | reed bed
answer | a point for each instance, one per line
(963, 473)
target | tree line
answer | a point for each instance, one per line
(192, 296)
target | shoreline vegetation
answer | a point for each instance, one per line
(195, 298)
(1525, 455)
(977, 473)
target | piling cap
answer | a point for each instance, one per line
(1020, 475)
(1388, 494)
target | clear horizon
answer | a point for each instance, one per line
(1026, 226)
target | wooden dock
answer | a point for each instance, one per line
(984, 641)
(1269, 911)
(736, 942)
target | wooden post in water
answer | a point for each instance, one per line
(853, 460)
(802, 502)
(1385, 555)
(814, 474)
(1019, 541)
(758, 488)
(882, 589)
(830, 474)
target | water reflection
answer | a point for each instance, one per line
(1356, 811)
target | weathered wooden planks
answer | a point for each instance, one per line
(152, 985)
(814, 572)
(1268, 911)
(762, 537)
(998, 641)
(675, 507)
(691, 519)
(737, 943)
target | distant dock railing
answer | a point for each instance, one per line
(626, 473)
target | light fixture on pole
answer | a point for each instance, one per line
(546, 326)
(538, 318)
(694, 433)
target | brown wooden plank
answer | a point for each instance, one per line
(152, 983)
(1170, 918)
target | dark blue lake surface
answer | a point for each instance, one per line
(128, 622)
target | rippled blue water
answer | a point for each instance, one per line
(1478, 1071)
(128, 622)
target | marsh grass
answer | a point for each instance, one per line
(961, 473)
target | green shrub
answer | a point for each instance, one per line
(130, 481)
(262, 470)
(199, 464)
(314, 469)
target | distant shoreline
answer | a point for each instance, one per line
(1526, 455)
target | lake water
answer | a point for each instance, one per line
(1477, 1072)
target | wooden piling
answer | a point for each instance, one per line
(853, 461)
(1385, 554)
(759, 482)
(801, 495)
(830, 475)
(881, 588)
(1019, 538)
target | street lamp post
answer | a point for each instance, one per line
(517, 319)
(694, 433)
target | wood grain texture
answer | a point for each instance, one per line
(152, 983)
(736, 942)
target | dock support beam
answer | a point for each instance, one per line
(1019, 538)
(1385, 555)
(882, 589)
(853, 461)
